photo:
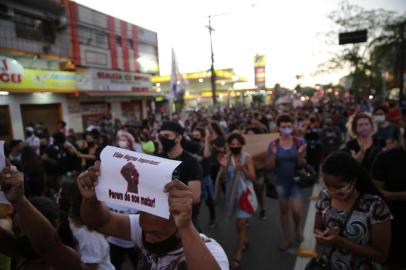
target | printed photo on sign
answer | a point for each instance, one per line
(135, 180)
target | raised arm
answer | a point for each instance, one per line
(42, 235)
(93, 212)
(198, 256)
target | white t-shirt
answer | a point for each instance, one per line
(34, 142)
(172, 260)
(92, 247)
(123, 210)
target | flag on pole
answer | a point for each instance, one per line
(178, 83)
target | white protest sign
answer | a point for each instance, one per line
(3, 199)
(135, 180)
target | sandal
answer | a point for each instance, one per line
(235, 264)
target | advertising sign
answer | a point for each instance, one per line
(15, 78)
(111, 80)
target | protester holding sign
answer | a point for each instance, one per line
(240, 176)
(164, 244)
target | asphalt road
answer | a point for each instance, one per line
(264, 237)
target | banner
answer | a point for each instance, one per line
(13, 77)
(135, 180)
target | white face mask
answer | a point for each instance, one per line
(123, 144)
(379, 119)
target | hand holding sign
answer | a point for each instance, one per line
(180, 203)
(131, 179)
(88, 180)
(12, 183)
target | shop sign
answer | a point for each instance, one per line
(15, 78)
(111, 80)
(10, 70)
(259, 65)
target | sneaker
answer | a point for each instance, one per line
(262, 214)
(212, 224)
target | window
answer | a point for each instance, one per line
(118, 41)
(148, 58)
(33, 28)
(130, 44)
(92, 37)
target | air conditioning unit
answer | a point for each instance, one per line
(6, 12)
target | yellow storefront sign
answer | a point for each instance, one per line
(35, 80)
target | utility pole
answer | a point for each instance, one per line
(213, 72)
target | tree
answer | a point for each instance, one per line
(368, 61)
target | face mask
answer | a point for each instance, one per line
(123, 144)
(28, 134)
(235, 150)
(167, 144)
(379, 119)
(364, 131)
(343, 193)
(163, 247)
(286, 131)
(197, 140)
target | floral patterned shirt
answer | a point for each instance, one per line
(370, 209)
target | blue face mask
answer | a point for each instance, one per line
(286, 131)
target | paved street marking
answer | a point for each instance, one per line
(307, 248)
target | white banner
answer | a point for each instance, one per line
(135, 180)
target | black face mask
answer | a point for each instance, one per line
(28, 134)
(197, 140)
(235, 150)
(167, 144)
(163, 247)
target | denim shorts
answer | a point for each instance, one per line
(289, 190)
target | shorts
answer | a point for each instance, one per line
(289, 191)
(207, 188)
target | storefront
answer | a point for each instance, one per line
(31, 96)
(113, 94)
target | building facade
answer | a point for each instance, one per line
(114, 63)
(63, 61)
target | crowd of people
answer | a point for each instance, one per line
(358, 152)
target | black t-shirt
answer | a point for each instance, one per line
(390, 168)
(204, 162)
(370, 154)
(188, 170)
